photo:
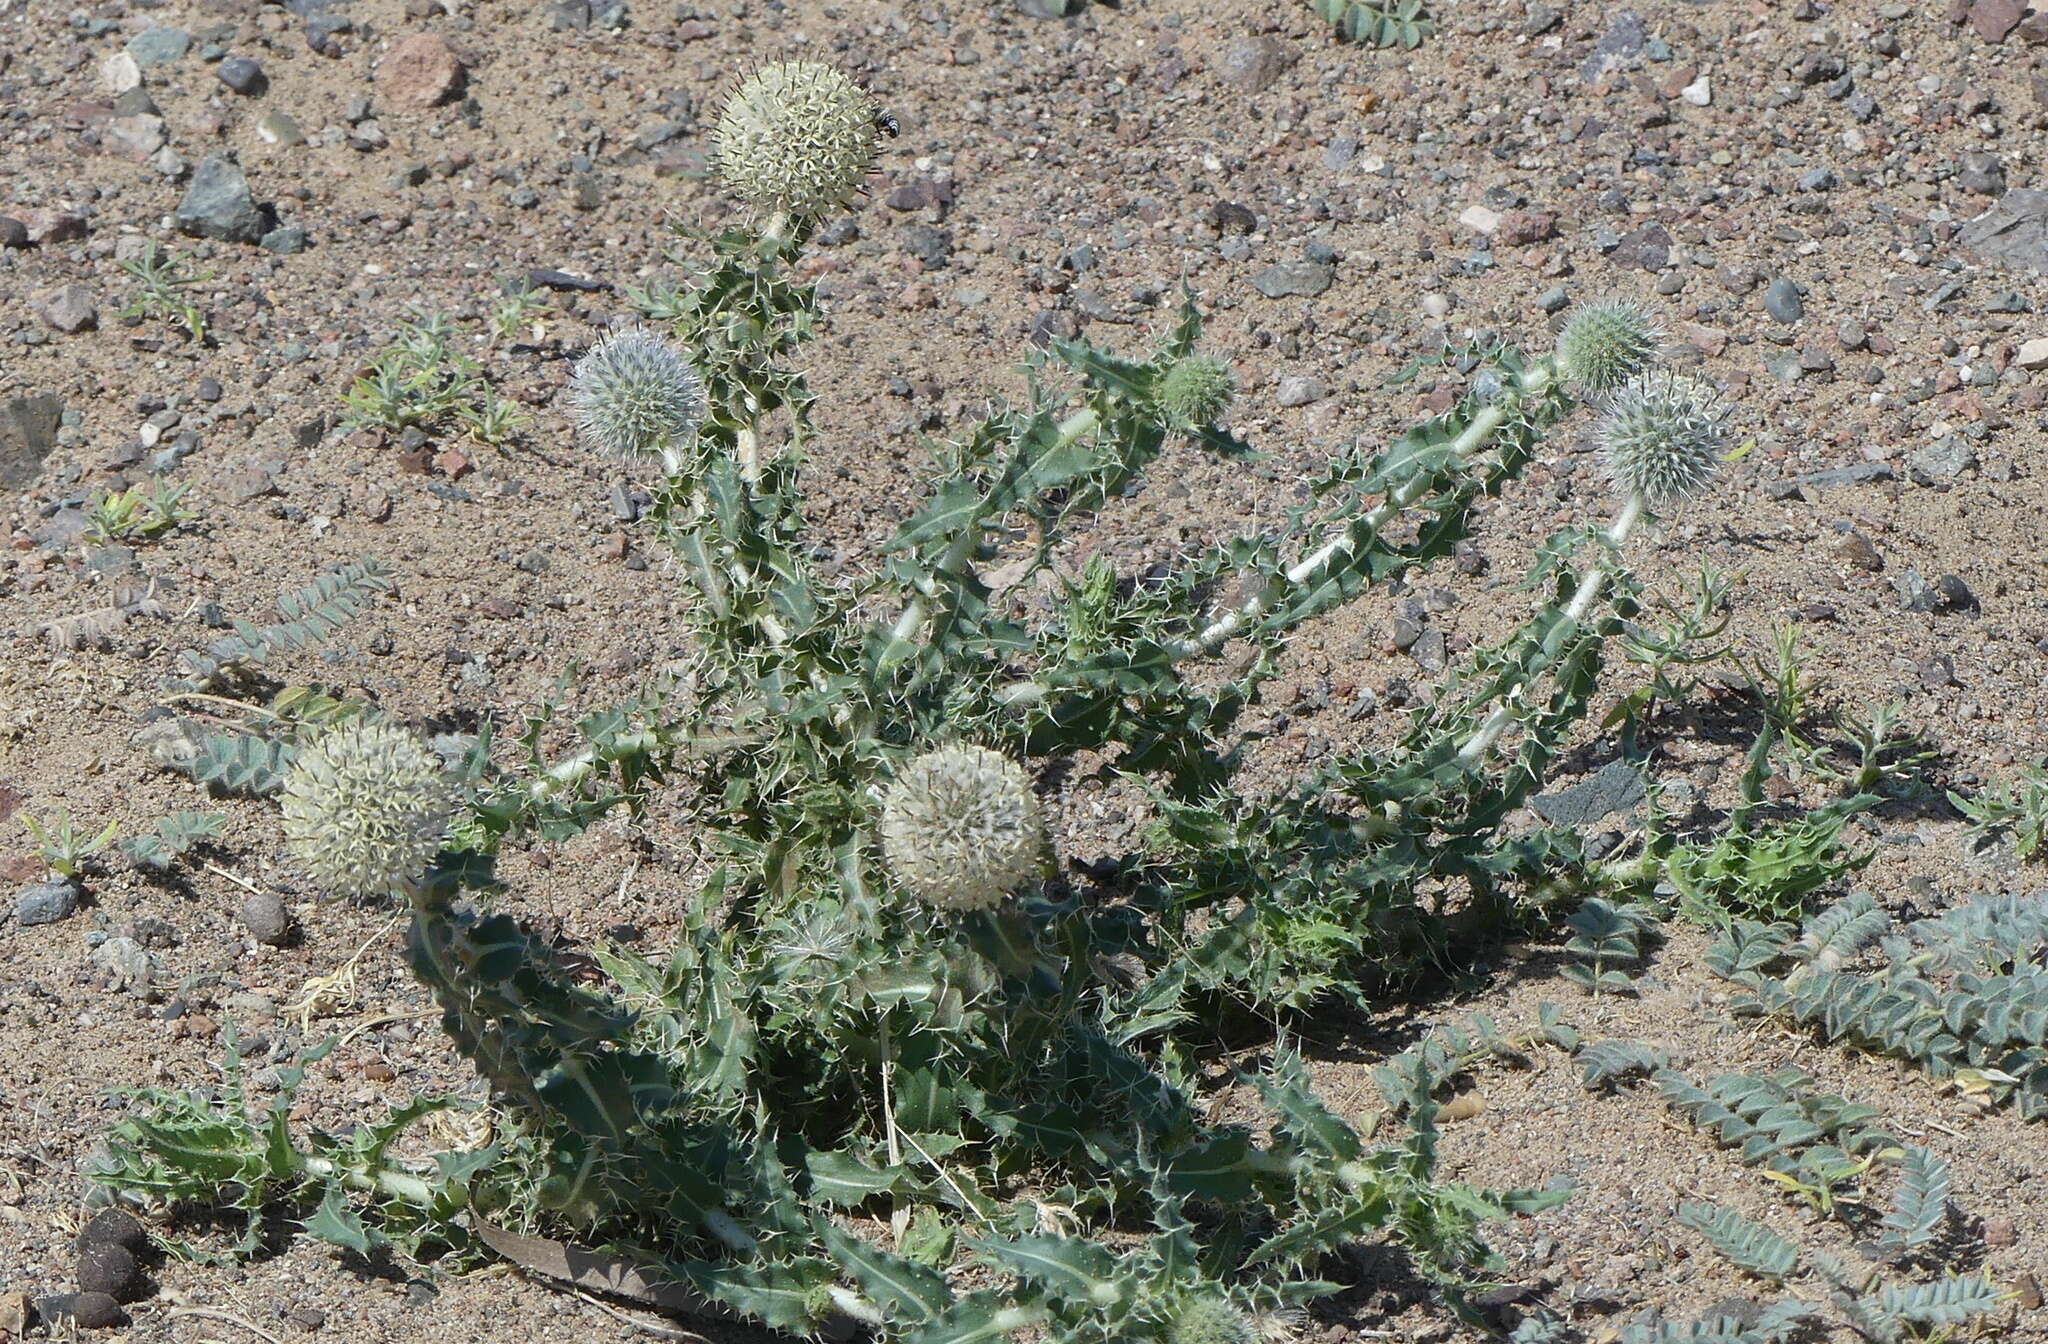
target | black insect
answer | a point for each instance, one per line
(885, 122)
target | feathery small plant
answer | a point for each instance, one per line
(162, 282)
(901, 1070)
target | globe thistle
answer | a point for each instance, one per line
(366, 807)
(1606, 344)
(1195, 391)
(1209, 1320)
(961, 828)
(634, 396)
(797, 136)
(1664, 436)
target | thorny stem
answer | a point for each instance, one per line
(382, 1180)
(1590, 583)
(968, 540)
(1533, 382)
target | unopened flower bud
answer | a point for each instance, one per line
(1605, 344)
(1209, 1320)
(1194, 391)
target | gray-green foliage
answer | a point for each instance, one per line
(1961, 994)
(1817, 1147)
(1378, 23)
(2018, 807)
(1606, 945)
(173, 837)
(819, 1056)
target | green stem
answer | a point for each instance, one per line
(1590, 585)
(968, 540)
(382, 1180)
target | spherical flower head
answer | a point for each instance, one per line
(961, 828)
(1209, 1320)
(366, 806)
(797, 136)
(1195, 391)
(635, 396)
(1664, 436)
(1606, 344)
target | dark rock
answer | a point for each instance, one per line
(1619, 48)
(284, 240)
(242, 75)
(933, 247)
(46, 902)
(1231, 218)
(218, 204)
(68, 308)
(547, 279)
(13, 233)
(104, 1267)
(1994, 19)
(2014, 231)
(1617, 787)
(266, 919)
(1782, 301)
(1648, 247)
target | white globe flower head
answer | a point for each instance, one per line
(635, 396)
(1605, 344)
(1664, 436)
(797, 137)
(366, 808)
(1209, 1320)
(961, 828)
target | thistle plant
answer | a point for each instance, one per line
(901, 1069)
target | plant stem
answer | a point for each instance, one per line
(968, 539)
(1590, 583)
(383, 1180)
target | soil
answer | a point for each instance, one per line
(1049, 175)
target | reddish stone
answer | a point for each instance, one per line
(420, 71)
(1993, 19)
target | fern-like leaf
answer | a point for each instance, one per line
(1605, 1063)
(1753, 1249)
(1921, 1205)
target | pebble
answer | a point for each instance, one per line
(1300, 391)
(420, 71)
(120, 73)
(1782, 301)
(13, 233)
(243, 75)
(1479, 219)
(1254, 63)
(266, 919)
(159, 46)
(126, 960)
(2034, 354)
(1294, 279)
(1855, 549)
(1699, 93)
(46, 902)
(218, 204)
(68, 308)
(277, 128)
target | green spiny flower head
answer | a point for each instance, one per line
(1209, 1320)
(961, 828)
(1195, 391)
(634, 396)
(1606, 344)
(1664, 436)
(366, 806)
(797, 136)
